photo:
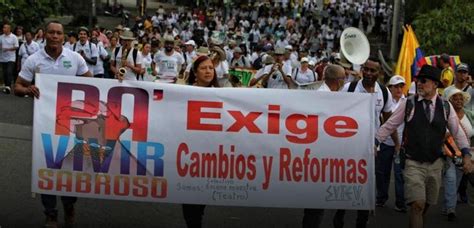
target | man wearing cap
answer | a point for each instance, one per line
(462, 81)
(189, 54)
(86, 49)
(239, 60)
(126, 57)
(390, 154)
(169, 62)
(447, 74)
(426, 126)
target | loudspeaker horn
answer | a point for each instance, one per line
(355, 46)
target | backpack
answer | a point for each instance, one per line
(134, 53)
(384, 89)
(258, 63)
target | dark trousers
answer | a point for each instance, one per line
(8, 72)
(99, 76)
(399, 186)
(361, 222)
(193, 215)
(312, 218)
(383, 170)
(49, 204)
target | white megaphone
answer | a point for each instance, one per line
(355, 46)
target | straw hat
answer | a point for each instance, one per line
(453, 91)
(220, 52)
(127, 35)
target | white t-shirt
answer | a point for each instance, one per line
(7, 42)
(90, 51)
(276, 80)
(27, 49)
(68, 63)
(324, 88)
(378, 100)
(129, 75)
(221, 69)
(304, 77)
(99, 67)
(146, 64)
(68, 45)
(169, 66)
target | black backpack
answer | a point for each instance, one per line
(134, 53)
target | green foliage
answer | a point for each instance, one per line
(442, 30)
(27, 13)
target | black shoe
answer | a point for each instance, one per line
(451, 216)
(400, 209)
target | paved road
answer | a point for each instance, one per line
(19, 209)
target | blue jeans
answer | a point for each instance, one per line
(399, 189)
(383, 171)
(452, 178)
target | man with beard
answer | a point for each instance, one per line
(169, 62)
(427, 117)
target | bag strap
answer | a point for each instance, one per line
(384, 94)
(352, 86)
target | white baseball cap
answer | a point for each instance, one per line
(304, 60)
(396, 79)
(190, 42)
(288, 47)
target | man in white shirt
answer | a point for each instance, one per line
(53, 59)
(126, 58)
(277, 75)
(333, 82)
(9, 44)
(29, 47)
(169, 62)
(86, 49)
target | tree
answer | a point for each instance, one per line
(27, 13)
(444, 29)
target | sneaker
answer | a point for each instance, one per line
(400, 209)
(69, 216)
(51, 222)
(7, 90)
(451, 216)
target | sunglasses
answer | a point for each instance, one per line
(422, 80)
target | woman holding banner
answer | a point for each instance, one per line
(202, 74)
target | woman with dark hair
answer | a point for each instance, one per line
(39, 37)
(203, 73)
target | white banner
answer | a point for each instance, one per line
(158, 142)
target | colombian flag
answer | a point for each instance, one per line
(410, 59)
